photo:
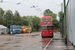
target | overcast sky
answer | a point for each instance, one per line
(32, 7)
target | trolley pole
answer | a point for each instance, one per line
(65, 31)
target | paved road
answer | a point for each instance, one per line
(32, 41)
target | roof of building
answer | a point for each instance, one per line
(2, 27)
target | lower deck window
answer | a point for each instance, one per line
(47, 28)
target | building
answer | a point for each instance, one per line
(3, 29)
(70, 17)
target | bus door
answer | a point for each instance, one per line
(50, 30)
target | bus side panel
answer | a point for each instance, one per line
(15, 32)
(47, 33)
(44, 33)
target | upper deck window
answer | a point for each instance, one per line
(28, 27)
(47, 19)
(16, 27)
(44, 19)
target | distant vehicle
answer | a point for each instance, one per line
(47, 26)
(15, 29)
(26, 29)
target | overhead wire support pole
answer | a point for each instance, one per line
(11, 21)
(65, 31)
(60, 25)
(62, 20)
(7, 24)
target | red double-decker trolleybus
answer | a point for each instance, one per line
(47, 26)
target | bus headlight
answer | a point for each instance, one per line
(30, 28)
(50, 32)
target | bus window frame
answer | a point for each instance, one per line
(47, 28)
(51, 27)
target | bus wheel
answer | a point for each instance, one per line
(52, 36)
(16, 32)
(42, 37)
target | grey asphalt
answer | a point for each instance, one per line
(33, 41)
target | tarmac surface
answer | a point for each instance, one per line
(33, 41)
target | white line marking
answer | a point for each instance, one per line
(47, 44)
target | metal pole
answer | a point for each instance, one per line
(61, 18)
(62, 7)
(29, 22)
(60, 25)
(65, 31)
(11, 20)
(7, 25)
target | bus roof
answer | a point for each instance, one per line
(15, 25)
(47, 17)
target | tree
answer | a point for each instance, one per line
(1, 12)
(55, 24)
(2, 21)
(36, 22)
(25, 20)
(60, 14)
(53, 15)
(8, 16)
(17, 15)
(47, 11)
(17, 18)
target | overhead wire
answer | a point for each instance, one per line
(35, 3)
(38, 9)
(45, 2)
(34, 6)
(49, 2)
(30, 2)
(15, 3)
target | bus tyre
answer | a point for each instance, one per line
(16, 33)
(52, 36)
(42, 37)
